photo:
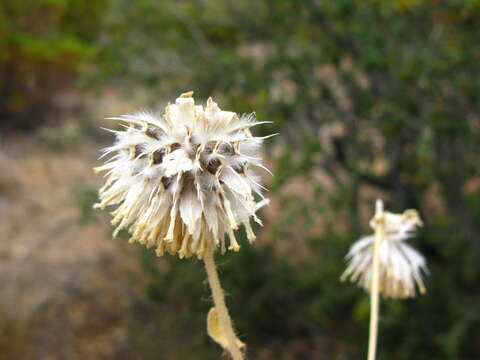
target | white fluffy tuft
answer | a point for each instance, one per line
(401, 266)
(184, 180)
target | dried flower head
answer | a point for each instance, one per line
(184, 180)
(401, 266)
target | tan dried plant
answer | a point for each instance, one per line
(383, 263)
(181, 182)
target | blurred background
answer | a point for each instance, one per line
(371, 99)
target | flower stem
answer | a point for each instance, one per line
(374, 290)
(219, 300)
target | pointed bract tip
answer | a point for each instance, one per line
(188, 94)
(379, 207)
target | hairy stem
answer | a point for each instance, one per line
(219, 300)
(374, 290)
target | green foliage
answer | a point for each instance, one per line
(380, 97)
(43, 45)
(84, 197)
(271, 301)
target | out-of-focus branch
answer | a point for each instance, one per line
(194, 30)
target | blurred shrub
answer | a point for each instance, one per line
(275, 305)
(83, 198)
(372, 98)
(44, 44)
(61, 137)
(15, 336)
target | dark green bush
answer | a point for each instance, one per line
(44, 46)
(382, 98)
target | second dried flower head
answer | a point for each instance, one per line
(184, 180)
(401, 266)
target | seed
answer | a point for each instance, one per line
(158, 156)
(226, 149)
(239, 168)
(213, 166)
(136, 151)
(166, 181)
(152, 133)
(175, 146)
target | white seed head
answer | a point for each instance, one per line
(401, 266)
(184, 180)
